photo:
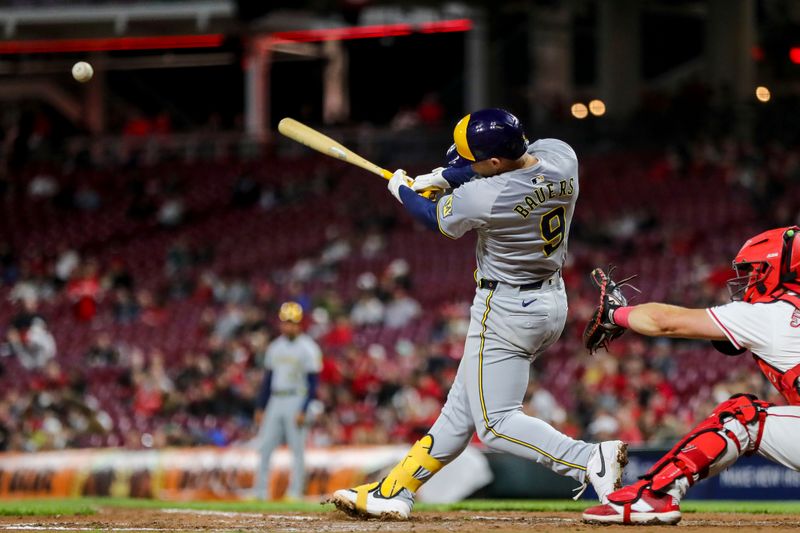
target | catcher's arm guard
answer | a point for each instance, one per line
(601, 330)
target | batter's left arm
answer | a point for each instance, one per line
(422, 209)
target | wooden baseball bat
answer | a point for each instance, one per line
(297, 131)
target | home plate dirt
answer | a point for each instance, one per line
(423, 522)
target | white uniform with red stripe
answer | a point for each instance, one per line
(772, 332)
(738, 426)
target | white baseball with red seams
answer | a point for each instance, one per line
(82, 71)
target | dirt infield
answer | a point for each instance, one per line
(423, 522)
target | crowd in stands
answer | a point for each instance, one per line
(146, 325)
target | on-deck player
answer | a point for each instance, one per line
(293, 362)
(521, 208)
(767, 322)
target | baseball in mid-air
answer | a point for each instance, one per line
(82, 71)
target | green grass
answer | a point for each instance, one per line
(85, 506)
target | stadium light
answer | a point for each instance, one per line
(597, 108)
(763, 94)
(579, 110)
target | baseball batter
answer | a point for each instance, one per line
(766, 322)
(293, 362)
(521, 206)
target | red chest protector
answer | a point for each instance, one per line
(785, 382)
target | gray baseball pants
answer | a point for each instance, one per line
(504, 338)
(279, 426)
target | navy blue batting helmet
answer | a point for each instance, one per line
(454, 160)
(489, 133)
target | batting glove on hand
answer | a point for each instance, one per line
(398, 179)
(433, 181)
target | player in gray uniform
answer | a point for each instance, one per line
(521, 206)
(293, 362)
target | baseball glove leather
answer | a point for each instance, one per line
(601, 331)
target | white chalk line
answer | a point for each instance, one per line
(38, 527)
(207, 512)
(234, 514)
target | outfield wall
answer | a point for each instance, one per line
(218, 473)
(227, 473)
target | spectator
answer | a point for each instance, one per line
(430, 110)
(102, 352)
(401, 309)
(68, 260)
(85, 291)
(31, 342)
(368, 309)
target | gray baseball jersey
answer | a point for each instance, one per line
(522, 217)
(291, 360)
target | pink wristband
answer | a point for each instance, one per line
(620, 316)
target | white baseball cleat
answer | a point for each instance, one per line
(365, 501)
(604, 469)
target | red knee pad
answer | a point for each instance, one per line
(695, 453)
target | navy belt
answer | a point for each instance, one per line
(493, 284)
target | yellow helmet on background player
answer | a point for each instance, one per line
(291, 312)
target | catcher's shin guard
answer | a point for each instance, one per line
(402, 476)
(694, 455)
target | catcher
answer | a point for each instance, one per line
(763, 318)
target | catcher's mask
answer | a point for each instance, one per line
(766, 263)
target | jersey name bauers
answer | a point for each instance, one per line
(542, 194)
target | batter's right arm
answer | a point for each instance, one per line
(443, 178)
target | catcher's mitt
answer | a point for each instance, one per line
(600, 331)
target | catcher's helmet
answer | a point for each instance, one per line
(489, 133)
(453, 160)
(291, 312)
(767, 266)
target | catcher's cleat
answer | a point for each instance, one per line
(365, 501)
(649, 507)
(604, 469)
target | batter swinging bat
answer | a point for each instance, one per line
(310, 137)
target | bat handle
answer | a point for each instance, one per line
(388, 175)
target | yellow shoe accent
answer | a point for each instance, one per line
(402, 476)
(361, 495)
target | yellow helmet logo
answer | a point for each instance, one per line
(291, 312)
(460, 138)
